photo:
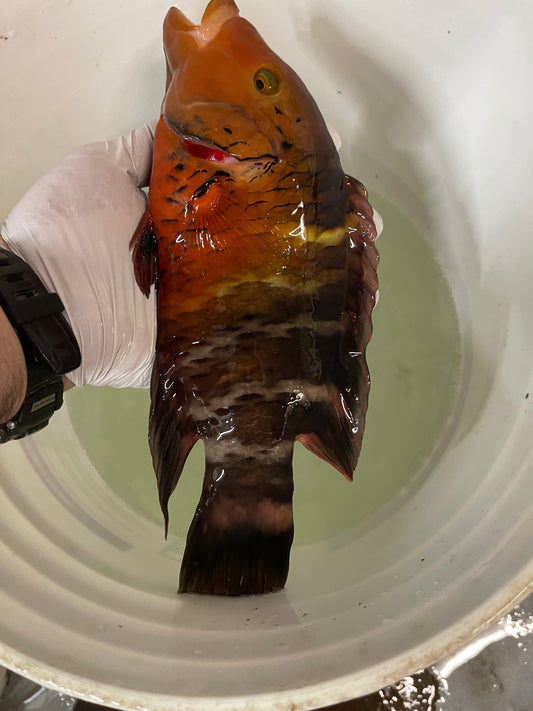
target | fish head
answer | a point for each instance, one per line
(231, 99)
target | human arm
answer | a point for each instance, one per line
(12, 370)
(47, 342)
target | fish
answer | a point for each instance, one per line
(262, 252)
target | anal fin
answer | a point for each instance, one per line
(172, 435)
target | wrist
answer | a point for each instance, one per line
(13, 373)
(46, 340)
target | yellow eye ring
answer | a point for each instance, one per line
(266, 82)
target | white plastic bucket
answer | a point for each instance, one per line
(433, 539)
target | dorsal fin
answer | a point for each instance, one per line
(338, 422)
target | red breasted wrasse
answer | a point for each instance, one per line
(262, 251)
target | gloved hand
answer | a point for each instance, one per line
(73, 228)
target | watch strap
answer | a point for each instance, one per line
(49, 345)
(36, 314)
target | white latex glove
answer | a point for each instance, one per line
(73, 228)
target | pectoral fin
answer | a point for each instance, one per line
(143, 246)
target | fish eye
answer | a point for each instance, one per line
(266, 82)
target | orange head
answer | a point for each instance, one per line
(231, 98)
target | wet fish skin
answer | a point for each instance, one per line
(263, 254)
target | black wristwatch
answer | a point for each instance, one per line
(49, 345)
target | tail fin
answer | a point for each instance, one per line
(240, 538)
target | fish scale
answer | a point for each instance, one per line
(262, 252)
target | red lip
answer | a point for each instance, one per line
(208, 151)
